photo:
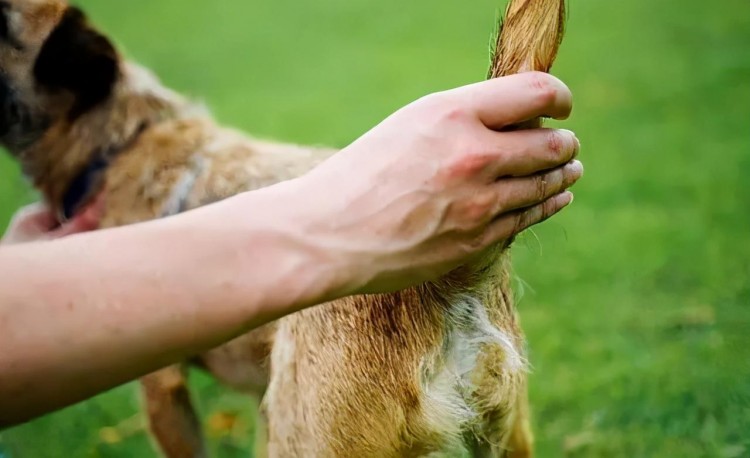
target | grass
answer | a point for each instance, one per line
(636, 301)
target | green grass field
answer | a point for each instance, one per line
(636, 301)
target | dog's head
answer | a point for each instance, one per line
(53, 66)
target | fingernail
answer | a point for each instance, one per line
(565, 198)
(574, 166)
(576, 142)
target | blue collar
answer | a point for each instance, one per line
(81, 188)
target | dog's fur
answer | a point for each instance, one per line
(432, 370)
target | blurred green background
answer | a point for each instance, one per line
(636, 300)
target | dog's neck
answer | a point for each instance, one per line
(67, 163)
(86, 184)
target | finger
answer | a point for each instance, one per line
(82, 223)
(526, 152)
(36, 217)
(511, 224)
(509, 100)
(519, 193)
(69, 228)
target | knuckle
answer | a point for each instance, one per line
(453, 112)
(475, 242)
(434, 103)
(479, 208)
(519, 222)
(534, 215)
(544, 87)
(548, 209)
(474, 213)
(469, 164)
(556, 142)
(470, 240)
(540, 184)
(443, 105)
(537, 79)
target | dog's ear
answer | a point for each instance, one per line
(78, 59)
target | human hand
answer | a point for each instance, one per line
(437, 182)
(36, 222)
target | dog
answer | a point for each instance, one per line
(438, 369)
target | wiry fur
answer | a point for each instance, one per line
(529, 37)
(434, 370)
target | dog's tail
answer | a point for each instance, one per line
(529, 38)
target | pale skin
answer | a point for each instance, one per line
(430, 187)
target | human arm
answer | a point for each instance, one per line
(431, 186)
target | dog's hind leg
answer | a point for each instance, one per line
(517, 444)
(506, 429)
(521, 440)
(260, 446)
(172, 419)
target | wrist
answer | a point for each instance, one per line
(276, 239)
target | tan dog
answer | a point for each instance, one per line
(433, 370)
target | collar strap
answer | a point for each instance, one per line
(81, 188)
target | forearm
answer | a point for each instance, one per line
(116, 304)
(431, 186)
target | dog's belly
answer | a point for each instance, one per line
(242, 363)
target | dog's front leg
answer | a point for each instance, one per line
(172, 419)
